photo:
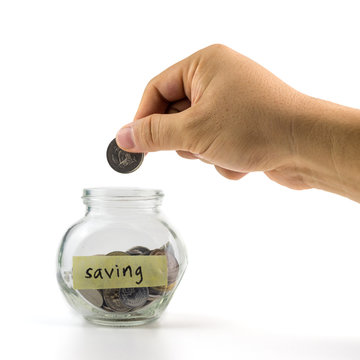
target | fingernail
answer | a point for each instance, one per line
(125, 138)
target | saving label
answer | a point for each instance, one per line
(110, 272)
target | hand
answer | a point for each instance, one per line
(224, 109)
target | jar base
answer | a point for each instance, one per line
(120, 323)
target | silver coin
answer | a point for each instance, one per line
(168, 248)
(147, 305)
(106, 308)
(157, 252)
(173, 268)
(92, 296)
(156, 291)
(121, 160)
(153, 296)
(172, 263)
(161, 290)
(134, 297)
(139, 250)
(117, 253)
(113, 301)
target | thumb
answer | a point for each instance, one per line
(156, 132)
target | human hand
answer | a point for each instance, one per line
(224, 109)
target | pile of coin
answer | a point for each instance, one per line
(130, 299)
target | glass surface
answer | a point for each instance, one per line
(118, 221)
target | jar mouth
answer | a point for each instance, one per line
(121, 194)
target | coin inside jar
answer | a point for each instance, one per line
(173, 268)
(92, 296)
(125, 300)
(139, 250)
(122, 161)
(117, 253)
(134, 297)
(113, 301)
(172, 264)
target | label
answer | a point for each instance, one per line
(113, 272)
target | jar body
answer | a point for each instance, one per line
(129, 226)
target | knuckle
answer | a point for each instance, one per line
(150, 82)
(149, 132)
(217, 47)
(150, 85)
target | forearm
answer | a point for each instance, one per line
(327, 147)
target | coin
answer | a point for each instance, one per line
(117, 253)
(121, 160)
(139, 250)
(160, 290)
(156, 291)
(153, 295)
(168, 248)
(92, 296)
(113, 301)
(172, 263)
(134, 297)
(173, 268)
(157, 252)
(106, 308)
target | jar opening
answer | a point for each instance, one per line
(122, 196)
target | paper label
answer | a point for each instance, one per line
(111, 272)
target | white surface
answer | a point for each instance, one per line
(273, 273)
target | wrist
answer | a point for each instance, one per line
(326, 147)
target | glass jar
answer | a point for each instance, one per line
(122, 262)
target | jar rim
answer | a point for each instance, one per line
(122, 193)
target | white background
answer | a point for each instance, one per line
(273, 273)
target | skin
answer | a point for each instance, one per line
(224, 109)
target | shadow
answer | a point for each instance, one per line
(95, 342)
(158, 339)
